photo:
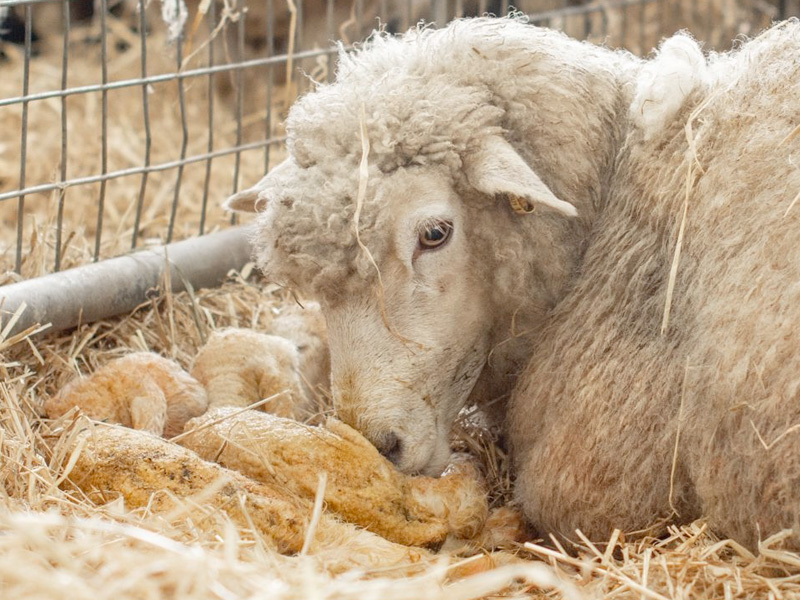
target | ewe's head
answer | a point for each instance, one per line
(419, 251)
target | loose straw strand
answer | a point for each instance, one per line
(363, 180)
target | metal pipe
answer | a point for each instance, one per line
(118, 285)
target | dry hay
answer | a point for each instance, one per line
(51, 536)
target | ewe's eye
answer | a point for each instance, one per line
(435, 235)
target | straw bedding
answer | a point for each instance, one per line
(56, 540)
(54, 537)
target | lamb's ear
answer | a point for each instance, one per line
(496, 169)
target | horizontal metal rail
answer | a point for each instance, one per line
(164, 77)
(587, 9)
(11, 3)
(173, 164)
(118, 285)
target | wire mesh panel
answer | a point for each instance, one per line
(127, 122)
(123, 126)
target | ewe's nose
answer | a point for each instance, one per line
(391, 446)
(388, 442)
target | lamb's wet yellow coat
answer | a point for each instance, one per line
(362, 486)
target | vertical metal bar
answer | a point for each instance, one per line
(384, 12)
(439, 16)
(603, 24)
(299, 40)
(782, 10)
(358, 6)
(184, 132)
(63, 174)
(146, 117)
(587, 24)
(642, 45)
(270, 80)
(239, 108)
(23, 151)
(623, 42)
(302, 82)
(211, 17)
(331, 35)
(103, 127)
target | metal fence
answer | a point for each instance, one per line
(124, 123)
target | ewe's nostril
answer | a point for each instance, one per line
(391, 447)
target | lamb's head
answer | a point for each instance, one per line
(405, 212)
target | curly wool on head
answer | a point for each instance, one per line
(425, 99)
(316, 246)
(411, 119)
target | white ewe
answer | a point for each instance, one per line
(648, 345)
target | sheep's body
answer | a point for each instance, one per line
(622, 417)
(607, 398)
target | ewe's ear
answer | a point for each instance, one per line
(255, 198)
(496, 169)
(244, 201)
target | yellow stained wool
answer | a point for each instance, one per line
(152, 473)
(362, 486)
(239, 367)
(141, 390)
